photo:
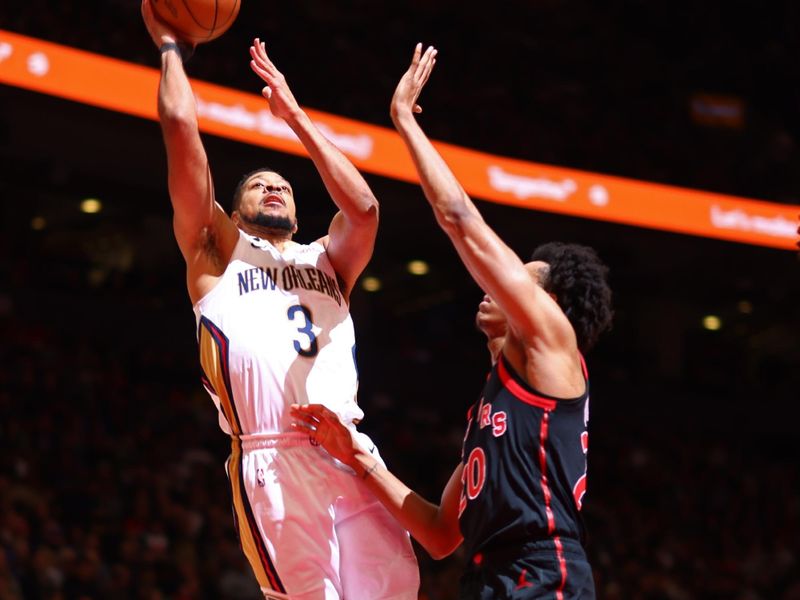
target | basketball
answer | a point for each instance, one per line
(197, 21)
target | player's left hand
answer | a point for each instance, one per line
(404, 101)
(281, 100)
(324, 428)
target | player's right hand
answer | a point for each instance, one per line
(160, 32)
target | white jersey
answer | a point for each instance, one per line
(276, 330)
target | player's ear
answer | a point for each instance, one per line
(294, 228)
(235, 217)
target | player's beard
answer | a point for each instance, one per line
(272, 222)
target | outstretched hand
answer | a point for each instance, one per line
(324, 428)
(404, 101)
(159, 31)
(281, 100)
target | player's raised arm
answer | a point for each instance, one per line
(351, 236)
(434, 527)
(493, 265)
(201, 227)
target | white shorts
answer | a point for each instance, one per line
(311, 530)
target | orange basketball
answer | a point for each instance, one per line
(197, 21)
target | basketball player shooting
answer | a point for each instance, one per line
(514, 500)
(274, 329)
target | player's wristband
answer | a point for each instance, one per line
(169, 46)
(184, 51)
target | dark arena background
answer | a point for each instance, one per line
(111, 461)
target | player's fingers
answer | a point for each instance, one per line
(323, 417)
(260, 71)
(315, 409)
(304, 425)
(431, 61)
(419, 74)
(430, 52)
(428, 66)
(263, 70)
(424, 60)
(417, 54)
(259, 58)
(303, 416)
(147, 9)
(262, 49)
(429, 71)
(259, 53)
(303, 428)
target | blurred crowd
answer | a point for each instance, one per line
(112, 484)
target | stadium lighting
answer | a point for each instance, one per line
(418, 267)
(91, 206)
(370, 284)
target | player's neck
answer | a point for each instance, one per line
(495, 346)
(279, 238)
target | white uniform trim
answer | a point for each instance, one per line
(289, 334)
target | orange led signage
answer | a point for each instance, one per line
(120, 86)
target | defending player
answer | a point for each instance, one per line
(274, 328)
(516, 496)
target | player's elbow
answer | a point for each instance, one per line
(454, 217)
(176, 117)
(443, 547)
(367, 212)
(442, 541)
(439, 554)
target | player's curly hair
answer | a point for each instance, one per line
(578, 278)
(239, 189)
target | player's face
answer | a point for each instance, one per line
(267, 194)
(490, 319)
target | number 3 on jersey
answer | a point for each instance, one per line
(305, 329)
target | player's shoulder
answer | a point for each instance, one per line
(321, 242)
